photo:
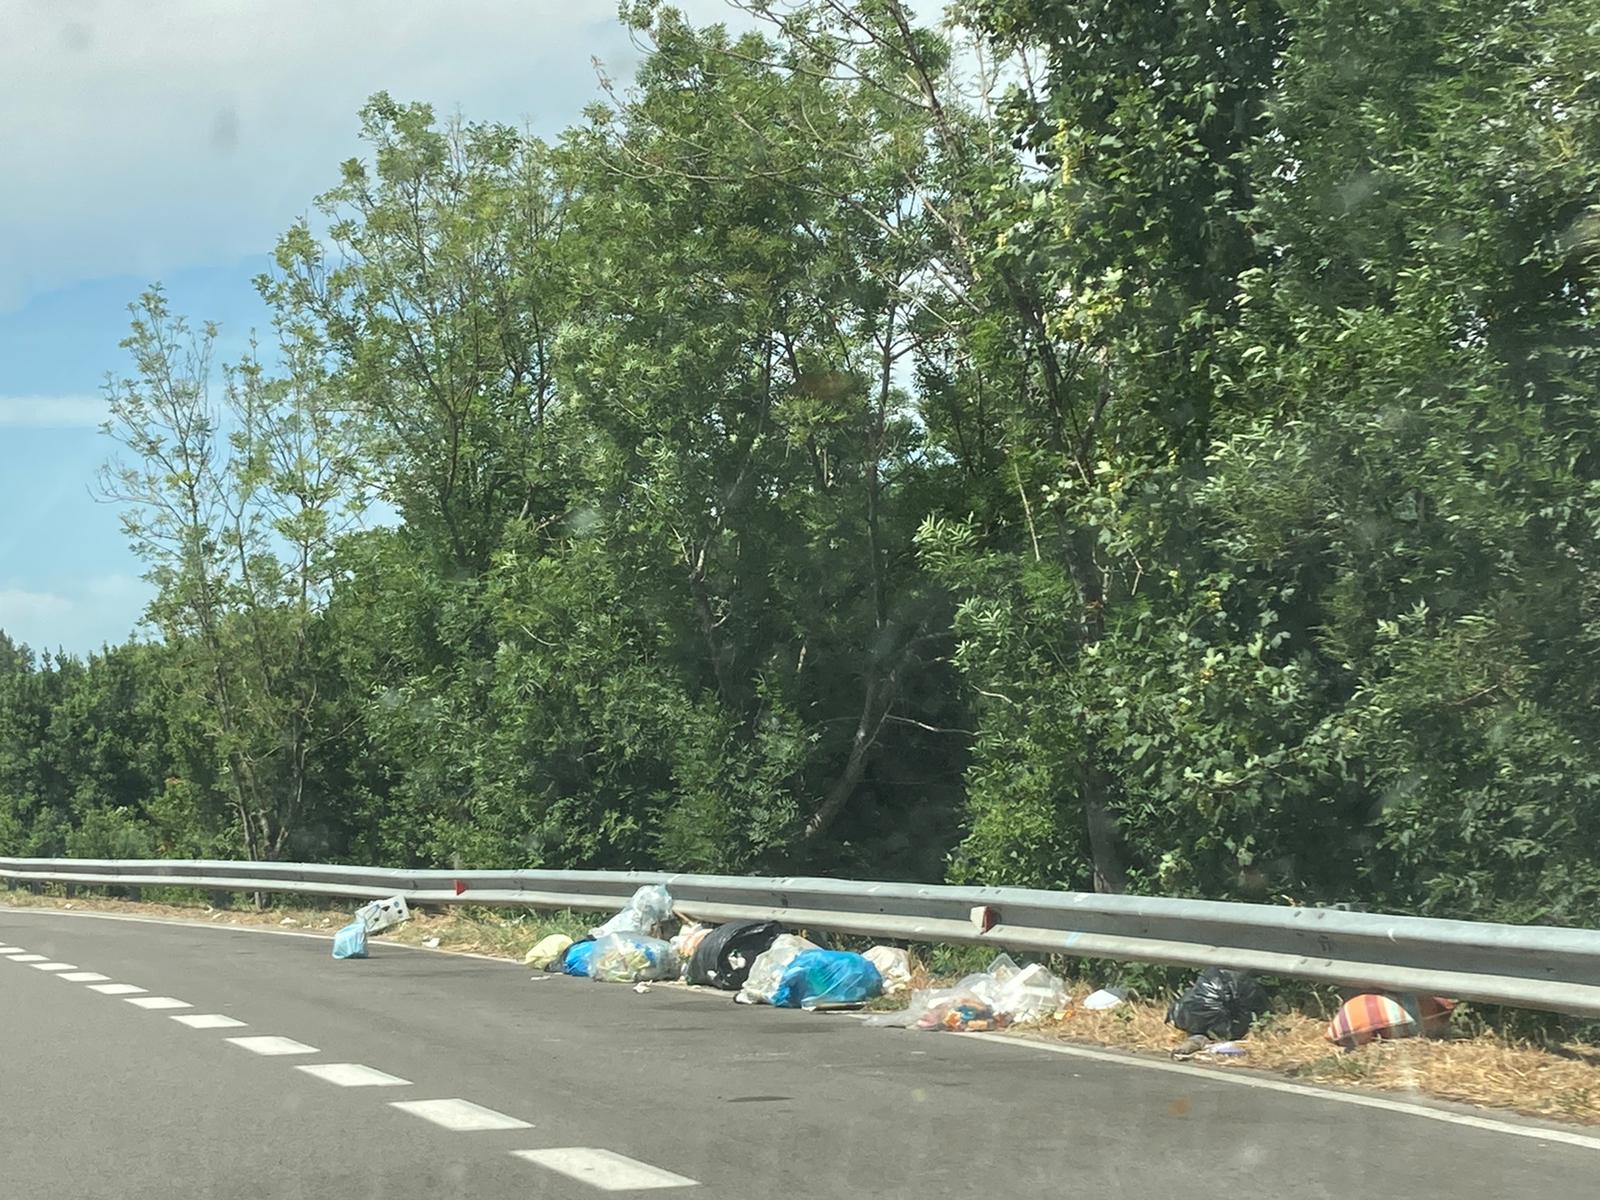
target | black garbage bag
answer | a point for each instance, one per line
(725, 955)
(1220, 1004)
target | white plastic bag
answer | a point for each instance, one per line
(894, 965)
(766, 973)
(649, 909)
(1101, 1000)
(631, 957)
(379, 915)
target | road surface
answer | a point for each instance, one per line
(415, 1075)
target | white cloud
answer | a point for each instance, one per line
(98, 611)
(52, 412)
(144, 138)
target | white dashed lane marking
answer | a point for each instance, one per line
(53, 966)
(12, 950)
(84, 977)
(352, 1075)
(459, 1116)
(115, 989)
(604, 1169)
(273, 1045)
(158, 1002)
(29, 958)
(208, 1021)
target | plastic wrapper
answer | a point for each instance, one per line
(547, 950)
(724, 957)
(351, 941)
(1100, 1001)
(379, 915)
(1220, 1004)
(630, 957)
(646, 912)
(766, 973)
(687, 940)
(821, 978)
(894, 967)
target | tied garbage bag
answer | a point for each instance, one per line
(547, 951)
(630, 957)
(816, 978)
(725, 956)
(766, 973)
(649, 909)
(576, 959)
(894, 967)
(1220, 1004)
(351, 941)
(379, 915)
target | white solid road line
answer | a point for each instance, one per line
(1225, 1075)
(459, 1116)
(272, 1045)
(352, 1075)
(84, 977)
(157, 1002)
(208, 1021)
(29, 958)
(53, 966)
(115, 989)
(604, 1169)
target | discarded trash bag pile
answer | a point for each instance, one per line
(766, 973)
(724, 956)
(827, 979)
(373, 917)
(647, 912)
(631, 957)
(1368, 1018)
(1004, 995)
(1220, 1005)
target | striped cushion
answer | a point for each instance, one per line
(1368, 1017)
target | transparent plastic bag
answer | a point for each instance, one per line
(646, 912)
(1004, 995)
(630, 957)
(766, 973)
(351, 941)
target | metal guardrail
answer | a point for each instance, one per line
(1538, 967)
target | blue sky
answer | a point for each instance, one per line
(172, 142)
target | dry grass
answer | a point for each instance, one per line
(1484, 1069)
(1562, 1083)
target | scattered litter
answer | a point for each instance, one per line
(646, 912)
(1004, 995)
(69, 906)
(288, 921)
(627, 957)
(1226, 1050)
(537, 978)
(383, 914)
(1103, 999)
(431, 943)
(827, 978)
(641, 987)
(724, 956)
(1220, 1004)
(687, 940)
(1191, 1045)
(547, 950)
(766, 973)
(1369, 1017)
(351, 941)
(894, 967)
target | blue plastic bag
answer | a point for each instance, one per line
(351, 941)
(818, 977)
(578, 959)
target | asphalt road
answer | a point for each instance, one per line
(103, 1098)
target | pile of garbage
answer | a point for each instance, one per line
(373, 917)
(997, 998)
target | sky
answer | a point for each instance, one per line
(172, 142)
